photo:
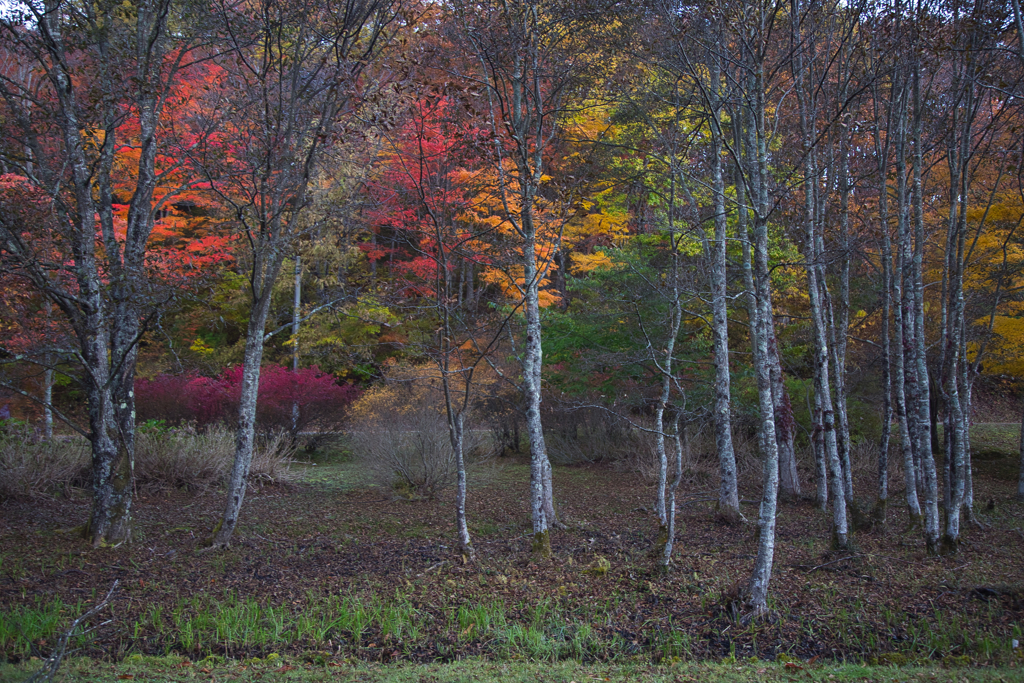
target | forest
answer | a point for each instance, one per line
(415, 331)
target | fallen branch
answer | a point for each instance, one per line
(841, 559)
(52, 662)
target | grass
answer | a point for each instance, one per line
(270, 669)
(356, 626)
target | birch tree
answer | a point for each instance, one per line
(101, 64)
(294, 82)
(805, 85)
(752, 29)
(688, 51)
(531, 55)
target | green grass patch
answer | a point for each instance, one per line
(398, 628)
(175, 669)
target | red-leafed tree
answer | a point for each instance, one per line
(433, 196)
(75, 77)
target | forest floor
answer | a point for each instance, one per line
(331, 570)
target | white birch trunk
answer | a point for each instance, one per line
(245, 434)
(761, 576)
(816, 284)
(840, 328)
(783, 413)
(670, 503)
(728, 493)
(887, 411)
(922, 433)
(659, 448)
(48, 383)
(903, 327)
(456, 434)
(47, 403)
(785, 423)
(541, 503)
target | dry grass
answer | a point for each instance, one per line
(164, 459)
(700, 462)
(30, 468)
(187, 459)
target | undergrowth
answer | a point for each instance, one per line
(370, 627)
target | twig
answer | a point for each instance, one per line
(52, 662)
(841, 559)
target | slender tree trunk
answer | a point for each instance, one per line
(882, 154)
(665, 503)
(296, 311)
(966, 396)
(953, 353)
(838, 383)
(456, 433)
(541, 503)
(782, 410)
(1020, 476)
(839, 328)
(802, 70)
(670, 503)
(662, 453)
(245, 435)
(818, 447)
(883, 442)
(48, 401)
(785, 423)
(902, 328)
(761, 576)
(728, 496)
(922, 433)
(823, 389)
(48, 383)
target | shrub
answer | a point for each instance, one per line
(700, 463)
(400, 432)
(579, 435)
(320, 400)
(204, 401)
(189, 459)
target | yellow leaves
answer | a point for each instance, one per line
(546, 298)
(585, 263)
(611, 223)
(1005, 354)
(512, 284)
(201, 347)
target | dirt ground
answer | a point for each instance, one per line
(330, 534)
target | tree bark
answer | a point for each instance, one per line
(541, 500)
(903, 340)
(922, 433)
(758, 175)
(296, 314)
(728, 495)
(803, 78)
(245, 434)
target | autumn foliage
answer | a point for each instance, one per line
(205, 401)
